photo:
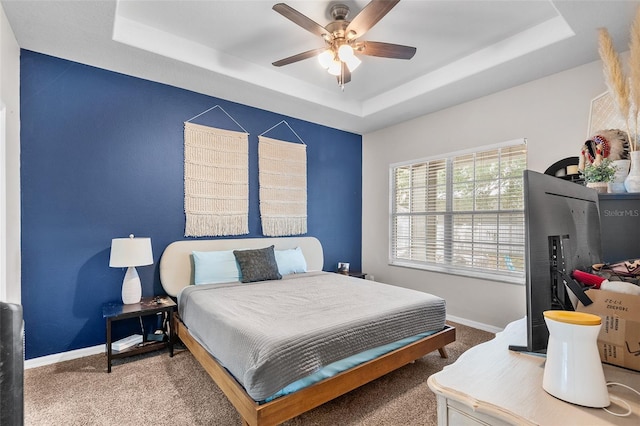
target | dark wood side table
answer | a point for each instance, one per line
(116, 311)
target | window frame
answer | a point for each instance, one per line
(512, 278)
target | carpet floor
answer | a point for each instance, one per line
(159, 390)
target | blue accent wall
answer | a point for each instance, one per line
(102, 157)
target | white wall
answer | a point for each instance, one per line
(551, 113)
(10, 157)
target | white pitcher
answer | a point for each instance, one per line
(632, 181)
(573, 370)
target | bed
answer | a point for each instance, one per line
(244, 315)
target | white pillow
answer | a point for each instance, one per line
(291, 261)
(213, 267)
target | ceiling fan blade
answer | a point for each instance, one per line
(299, 57)
(345, 75)
(385, 50)
(369, 16)
(300, 19)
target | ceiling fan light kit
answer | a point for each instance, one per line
(325, 59)
(348, 56)
(345, 52)
(339, 56)
(335, 68)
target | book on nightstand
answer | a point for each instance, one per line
(126, 343)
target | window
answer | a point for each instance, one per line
(462, 213)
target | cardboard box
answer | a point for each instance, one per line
(619, 338)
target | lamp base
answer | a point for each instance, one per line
(131, 287)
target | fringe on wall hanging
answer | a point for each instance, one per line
(216, 181)
(282, 172)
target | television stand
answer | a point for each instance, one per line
(489, 384)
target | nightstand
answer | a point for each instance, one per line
(116, 311)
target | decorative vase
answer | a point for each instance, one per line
(601, 187)
(632, 182)
(616, 186)
(573, 370)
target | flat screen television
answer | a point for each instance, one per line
(562, 234)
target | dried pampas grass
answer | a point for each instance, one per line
(634, 74)
(614, 75)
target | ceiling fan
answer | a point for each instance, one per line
(339, 56)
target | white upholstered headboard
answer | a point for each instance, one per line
(176, 263)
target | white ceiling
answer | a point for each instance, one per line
(465, 50)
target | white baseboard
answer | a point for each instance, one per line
(64, 356)
(100, 349)
(475, 324)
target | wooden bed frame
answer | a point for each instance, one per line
(289, 406)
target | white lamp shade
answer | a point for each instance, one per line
(345, 52)
(325, 58)
(335, 68)
(353, 62)
(130, 251)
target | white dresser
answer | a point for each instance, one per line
(491, 385)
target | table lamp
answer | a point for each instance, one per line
(129, 253)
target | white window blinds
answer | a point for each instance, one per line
(462, 213)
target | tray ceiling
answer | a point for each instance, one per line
(465, 50)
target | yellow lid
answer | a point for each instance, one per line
(570, 317)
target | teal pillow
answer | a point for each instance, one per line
(257, 265)
(213, 267)
(291, 261)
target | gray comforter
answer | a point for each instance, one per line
(271, 333)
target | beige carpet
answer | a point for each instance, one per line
(159, 390)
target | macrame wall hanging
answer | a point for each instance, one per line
(282, 173)
(216, 180)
